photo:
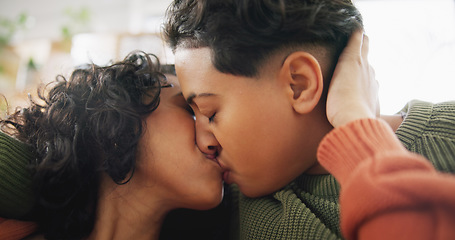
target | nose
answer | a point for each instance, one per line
(205, 139)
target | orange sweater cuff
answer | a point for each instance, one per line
(345, 147)
(14, 229)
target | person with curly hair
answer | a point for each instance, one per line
(113, 152)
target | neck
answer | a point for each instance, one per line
(123, 213)
(320, 126)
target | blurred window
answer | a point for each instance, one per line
(412, 49)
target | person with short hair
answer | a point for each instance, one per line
(257, 74)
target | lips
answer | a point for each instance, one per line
(214, 158)
(226, 177)
(225, 172)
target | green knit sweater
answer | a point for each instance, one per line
(308, 207)
(16, 198)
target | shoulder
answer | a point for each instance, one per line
(429, 130)
(16, 196)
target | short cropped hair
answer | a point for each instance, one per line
(242, 34)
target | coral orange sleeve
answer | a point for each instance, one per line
(15, 229)
(387, 192)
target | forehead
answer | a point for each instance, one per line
(190, 57)
(199, 62)
(195, 70)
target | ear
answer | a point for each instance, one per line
(302, 75)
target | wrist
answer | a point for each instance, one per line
(341, 150)
(350, 116)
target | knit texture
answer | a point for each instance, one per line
(16, 197)
(348, 146)
(308, 208)
(293, 213)
(11, 229)
(429, 130)
(383, 183)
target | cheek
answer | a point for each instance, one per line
(260, 122)
(258, 139)
(183, 129)
(168, 155)
(175, 127)
(167, 135)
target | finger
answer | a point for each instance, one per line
(372, 71)
(355, 43)
(378, 108)
(365, 46)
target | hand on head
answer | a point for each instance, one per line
(353, 91)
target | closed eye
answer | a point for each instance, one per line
(212, 118)
(180, 101)
(190, 110)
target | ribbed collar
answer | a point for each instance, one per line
(323, 186)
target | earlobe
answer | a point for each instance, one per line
(303, 77)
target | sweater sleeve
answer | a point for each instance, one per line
(16, 195)
(13, 229)
(387, 192)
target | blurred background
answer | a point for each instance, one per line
(412, 43)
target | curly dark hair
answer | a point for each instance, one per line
(242, 34)
(88, 124)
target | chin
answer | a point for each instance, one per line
(209, 199)
(254, 192)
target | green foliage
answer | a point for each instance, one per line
(9, 27)
(78, 21)
(31, 64)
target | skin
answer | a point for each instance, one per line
(265, 130)
(171, 172)
(353, 91)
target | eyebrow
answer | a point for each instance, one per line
(179, 94)
(179, 97)
(190, 99)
